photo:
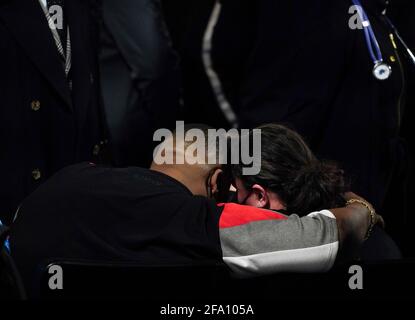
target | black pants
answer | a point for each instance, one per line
(140, 77)
(395, 208)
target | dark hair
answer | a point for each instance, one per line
(291, 170)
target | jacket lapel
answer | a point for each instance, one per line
(27, 23)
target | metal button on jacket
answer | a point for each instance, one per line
(96, 150)
(35, 105)
(36, 174)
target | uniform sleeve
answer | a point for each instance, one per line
(259, 242)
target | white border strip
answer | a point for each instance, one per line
(305, 260)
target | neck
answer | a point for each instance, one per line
(183, 176)
(275, 202)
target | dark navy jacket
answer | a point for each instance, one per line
(44, 125)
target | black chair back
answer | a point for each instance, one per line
(84, 279)
(11, 285)
(390, 279)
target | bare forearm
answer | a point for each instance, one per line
(353, 223)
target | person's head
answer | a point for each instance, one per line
(184, 156)
(291, 177)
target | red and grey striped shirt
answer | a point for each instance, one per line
(260, 242)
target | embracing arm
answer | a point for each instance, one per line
(259, 242)
(353, 224)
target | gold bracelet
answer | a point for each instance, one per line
(372, 213)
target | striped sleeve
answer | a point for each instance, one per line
(258, 242)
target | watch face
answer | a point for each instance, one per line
(382, 71)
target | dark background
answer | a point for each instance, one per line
(184, 18)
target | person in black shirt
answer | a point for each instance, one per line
(166, 216)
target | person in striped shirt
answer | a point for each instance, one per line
(293, 180)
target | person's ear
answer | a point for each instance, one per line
(215, 181)
(261, 199)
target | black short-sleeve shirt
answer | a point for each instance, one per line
(134, 215)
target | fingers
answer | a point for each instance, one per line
(380, 221)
